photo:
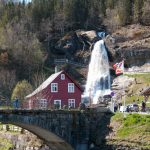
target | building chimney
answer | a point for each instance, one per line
(56, 69)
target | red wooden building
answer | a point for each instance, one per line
(58, 89)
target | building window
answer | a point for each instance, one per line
(62, 77)
(71, 103)
(54, 87)
(43, 103)
(70, 87)
(57, 104)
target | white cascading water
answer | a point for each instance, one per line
(98, 80)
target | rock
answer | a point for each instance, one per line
(90, 35)
(135, 56)
(120, 85)
(130, 42)
(143, 68)
(67, 45)
(23, 141)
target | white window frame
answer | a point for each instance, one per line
(71, 103)
(43, 103)
(54, 87)
(62, 76)
(57, 100)
(71, 88)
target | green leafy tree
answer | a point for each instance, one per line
(22, 89)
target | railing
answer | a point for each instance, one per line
(135, 72)
(59, 61)
(62, 61)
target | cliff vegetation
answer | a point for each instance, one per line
(33, 34)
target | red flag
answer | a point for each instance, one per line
(119, 67)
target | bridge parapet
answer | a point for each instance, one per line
(79, 129)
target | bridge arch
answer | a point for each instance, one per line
(50, 139)
(60, 129)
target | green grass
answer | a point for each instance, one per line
(136, 119)
(6, 107)
(135, 98)
(148, 104)
(143, 81)
(5, 144)
(133, 126)
(145, 77)
(118, 117)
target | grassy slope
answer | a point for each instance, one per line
(133, 130)
(143, 81)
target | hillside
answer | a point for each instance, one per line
(33, 35)
(133, 85)
(131, 132)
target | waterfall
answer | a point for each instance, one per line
(98, 80)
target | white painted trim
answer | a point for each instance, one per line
(71, 88)
(74, 102)
(52, 85)
(57, 100)
(62, 76)
(43, 103)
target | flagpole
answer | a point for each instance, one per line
(124, 98)
(119, 68)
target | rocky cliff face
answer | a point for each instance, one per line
(131, 42)
(121, 86)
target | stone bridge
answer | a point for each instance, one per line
(60, 129)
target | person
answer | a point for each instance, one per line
(115, 107)
(82, 106)
(16, 103)
(143, 106)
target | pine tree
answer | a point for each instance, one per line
(138, 10)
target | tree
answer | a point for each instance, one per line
(23, 47)
(76, 12)
(110, 4)
(146, 14)
(7, 81)
(138, 10)
(22, 89)
(42, 9)
(124, 11)
(38, 78)
(94, 19)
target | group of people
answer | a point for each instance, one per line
(135, 107)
